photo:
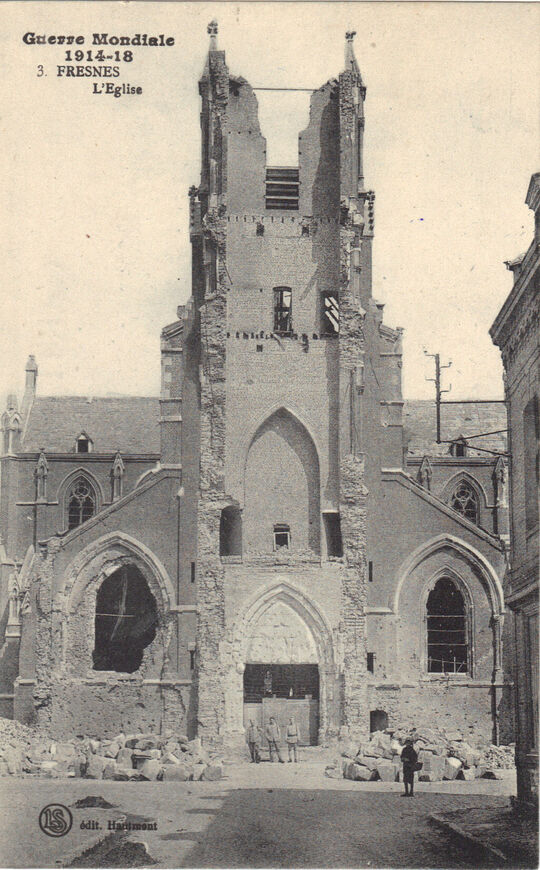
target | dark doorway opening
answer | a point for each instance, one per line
(125, 622)
(378, 720)
(283, 691)
(280, 681)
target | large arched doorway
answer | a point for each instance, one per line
(284, 664)
(281, 676)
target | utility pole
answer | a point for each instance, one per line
(438, 392)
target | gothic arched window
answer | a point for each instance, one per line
(81, 502)
(447, 642)
(464, 500)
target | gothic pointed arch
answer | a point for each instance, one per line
(469, 478)
(293, 597)
(80, 497)
(482, 567)
(119, 572)
(281, 486)
(448, 624)
(310, 638)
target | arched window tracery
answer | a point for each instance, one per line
(447, 629)
(81, 502)
(464, 500)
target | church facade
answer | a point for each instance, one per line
(295, 541)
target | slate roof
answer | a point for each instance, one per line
(131, 424)
(420, 427)
(126, 423)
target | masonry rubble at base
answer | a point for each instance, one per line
(172, 757)
(444, 755)
(169, 757)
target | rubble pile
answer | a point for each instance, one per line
(443, 756)
(169, 757)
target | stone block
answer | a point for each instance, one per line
(146, 743)
(48, 769)
(4, 770)
(368, 761)
(492, 774)
(349, 749)
(120, 739)
(381, 739)
(65, 751)
(110, 769)
(169, 758)
(182, 738)
(13, 759)
(150, 769)
(124, 758)
(435, 766)
(386, 770)
(172, 747)
(176, 773)
(357, 772)
(111, 750)
(139, 758)
(467, 773)
(198, 771)
(212, 772)
(373, 751)
(96, 766)
(469, 756)
(334, 772)
(396, 747)
(94, 746)
(452, 768)
(123, 774)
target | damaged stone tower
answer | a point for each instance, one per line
(265, 540)
(281, 314)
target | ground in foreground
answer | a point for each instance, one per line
(259, 816)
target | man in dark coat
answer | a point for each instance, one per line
(409, 758)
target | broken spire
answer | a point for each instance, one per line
(212, 29)
(351, 64)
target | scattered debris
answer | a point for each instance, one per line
(443, 756)
(145, 756)
(93, 800)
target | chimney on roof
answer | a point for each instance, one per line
(29, 385)
(31, 376)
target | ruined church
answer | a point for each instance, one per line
(280, 533)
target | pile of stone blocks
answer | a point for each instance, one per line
(443, 755)
(168, 757)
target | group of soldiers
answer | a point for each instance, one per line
(255, 739)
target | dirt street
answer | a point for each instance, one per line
(269, 815)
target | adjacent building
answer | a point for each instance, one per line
(516, 332)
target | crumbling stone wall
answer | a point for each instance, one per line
(212, 496)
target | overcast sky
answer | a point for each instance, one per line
(96, 253)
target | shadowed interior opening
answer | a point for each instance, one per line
(125, 623)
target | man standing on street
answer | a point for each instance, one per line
(273, 736)
(292, 739)
(252, 740)
(409, 759)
